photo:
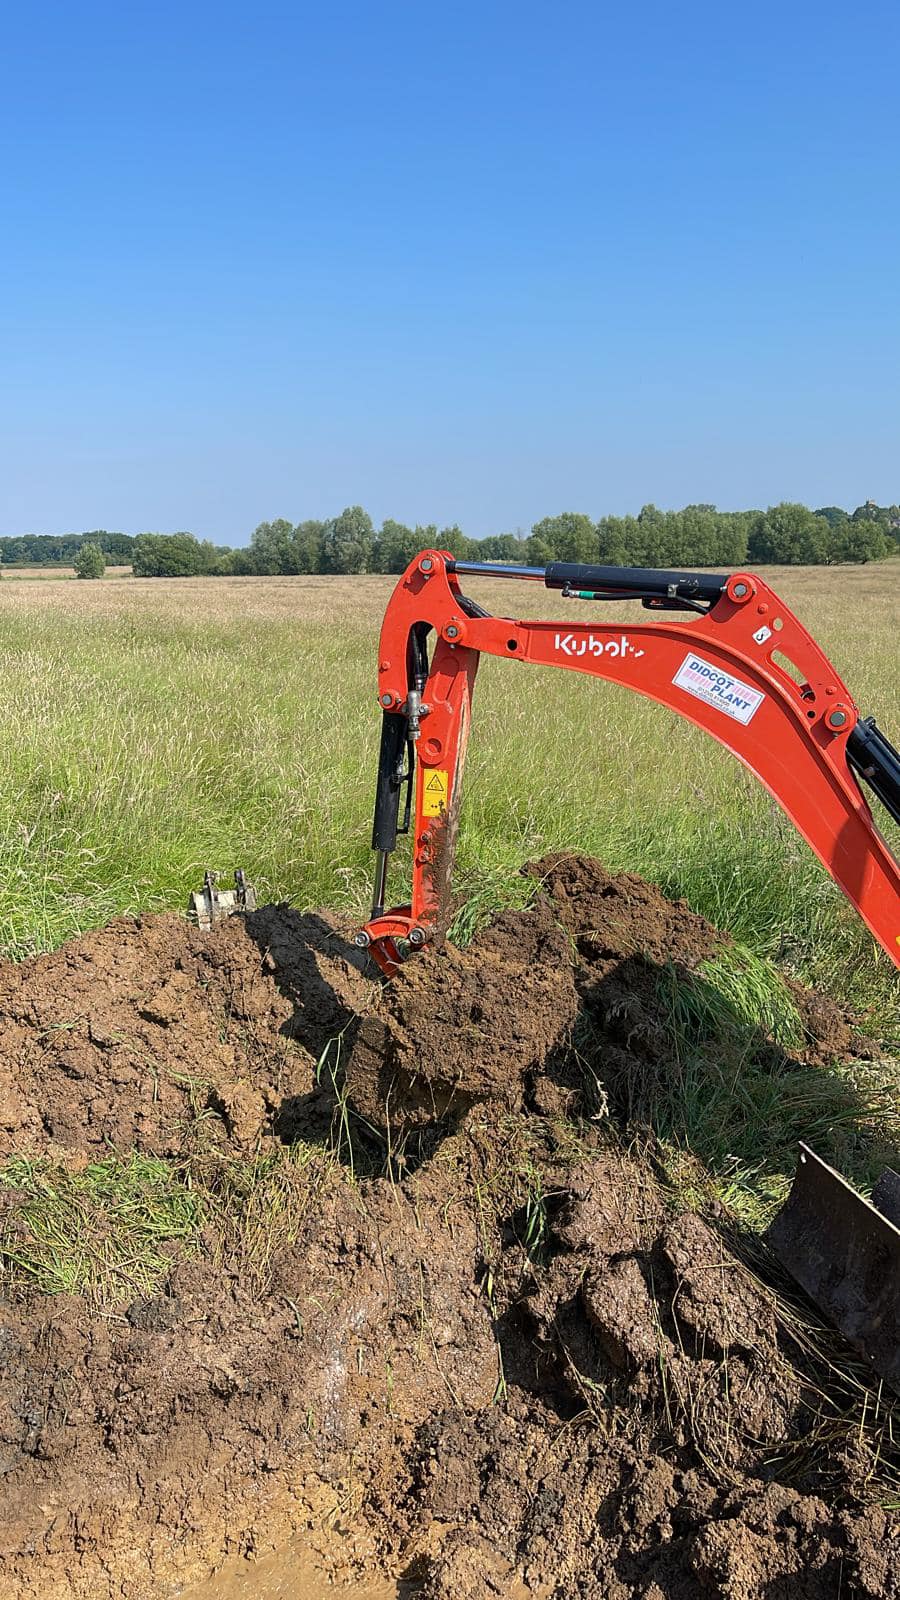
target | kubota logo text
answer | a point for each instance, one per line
(571, 644)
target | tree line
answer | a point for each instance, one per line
(697, 536)
(50, 550)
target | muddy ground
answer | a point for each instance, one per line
(476, 1318)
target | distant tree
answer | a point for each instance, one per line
(571, 536)
(698, 535)
(732, 534)
(500, 547)
(117, 547)
(885, 517)
(426, 537)
(40, 549)
(166, 555)
(615, 541)
(537, 551)
(348, 542)
(395, 546)
(90, 562)
(688, 538)
(270, 543)
(214, 559)
(869, 511)
(454, 540)
(861, 541)
(307, 543)
(791, 534)
(651, 533)
(239, 564)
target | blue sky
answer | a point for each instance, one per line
(474, 263)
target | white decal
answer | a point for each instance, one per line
(571, 645)
(718, 688)
(762, 634)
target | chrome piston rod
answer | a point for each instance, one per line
(495, 569)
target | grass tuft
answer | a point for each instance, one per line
(735, 995)
(110, 1231)
(114, 1230)
(728, 1101)
(262, 1205)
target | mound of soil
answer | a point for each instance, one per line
(119, 1038)
(116, 1040)
(524, 1371)
(496, 1021)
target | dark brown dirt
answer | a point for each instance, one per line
(624, 930)
(462, 1026)
(523, 1370)
(116, 1040)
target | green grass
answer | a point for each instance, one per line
(162, 728)
(113, 1230)
(110, 1231)
(260, 1206)
(733, 1097)
(156, 729)
(733, 995)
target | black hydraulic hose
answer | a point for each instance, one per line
(874, 759)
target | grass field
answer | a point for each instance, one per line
(154, 729)
(48, 573)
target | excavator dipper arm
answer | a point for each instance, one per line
(723, 651)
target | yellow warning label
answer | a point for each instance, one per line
(435, 786)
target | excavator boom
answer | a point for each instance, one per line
(723, 651)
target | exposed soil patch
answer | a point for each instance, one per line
(118, 1039)
(512, 1361)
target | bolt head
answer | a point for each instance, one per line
(426, 564)
(362, 940)
(452, 632)
(837, 719)
(417, 936)
(387, 700)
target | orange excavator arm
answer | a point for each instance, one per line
(736, 662)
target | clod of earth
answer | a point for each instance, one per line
(390, 1242)
(461, 1027)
